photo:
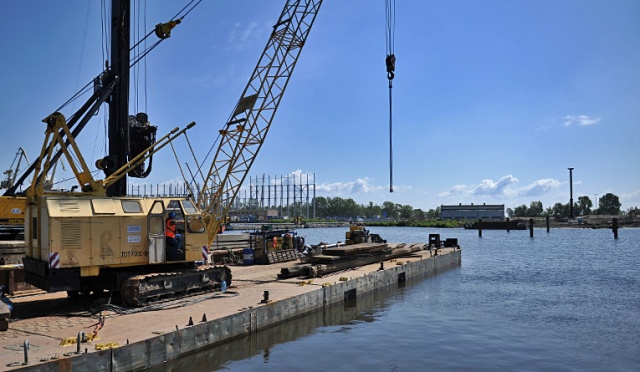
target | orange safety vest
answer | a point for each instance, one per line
(169, 229)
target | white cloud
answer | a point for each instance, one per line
(579, 120)
(359, 186)
(504, 187)
(539, 187)
(488, 187)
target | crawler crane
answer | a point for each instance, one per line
(100, 239)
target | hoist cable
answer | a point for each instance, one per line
(390, 61)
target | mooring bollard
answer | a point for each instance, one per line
(79, 340)
(531, 227)
(26, 352)
(265, 296)
(614, 228)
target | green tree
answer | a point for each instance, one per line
(520, 211)
(372, 210)
(418, 215)
(433, 214)
(583, 206)
(405, 211)
(609, 204)
(535, 209)
(389, 208)
(510, 212)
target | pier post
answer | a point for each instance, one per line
(78, 341)
(531, 227)
(614, 228)
(508, 229)
(26, 352)
(480, 228)
(547, 219)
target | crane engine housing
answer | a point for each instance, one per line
(88, 244)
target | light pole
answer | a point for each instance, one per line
(570, 192)
(596, 200)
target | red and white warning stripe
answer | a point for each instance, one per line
(54, 260)
(205, 253)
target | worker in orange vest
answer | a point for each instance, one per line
(172, 238)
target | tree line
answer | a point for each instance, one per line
(334, 208)
(339, 208)
(608, 204)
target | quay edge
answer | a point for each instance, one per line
(184, 340)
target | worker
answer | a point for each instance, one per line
(172, 238)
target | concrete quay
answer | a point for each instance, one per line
(145, 339)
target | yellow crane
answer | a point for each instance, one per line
(91, 240)
(12, 207)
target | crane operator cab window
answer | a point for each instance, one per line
(174, 231)
(194, 223)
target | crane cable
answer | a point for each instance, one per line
(391, 68)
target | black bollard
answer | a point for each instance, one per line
(26, 352)
(547, 219)
(265, 297)
(479, 228)
(78, 341)
(531, 227)
(614, 228)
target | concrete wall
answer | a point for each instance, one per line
(170, 346)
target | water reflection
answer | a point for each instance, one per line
(366, 308)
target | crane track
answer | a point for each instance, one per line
(142, 289)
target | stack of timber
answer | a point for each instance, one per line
(349, 256)
(281, 255)
(227, 246)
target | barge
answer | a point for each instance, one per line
(115, 340)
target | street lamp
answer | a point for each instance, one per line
(570, 193)
(596, 200)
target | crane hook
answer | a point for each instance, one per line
(391, 66)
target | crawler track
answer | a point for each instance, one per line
(141, 289)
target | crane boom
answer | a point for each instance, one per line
(245, 131)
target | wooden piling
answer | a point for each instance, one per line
(508, 225)
(531, 227)
(547, 219)
(614, 228)
(480, 228)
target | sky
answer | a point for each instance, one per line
(492, 100)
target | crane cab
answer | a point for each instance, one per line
(82, 243)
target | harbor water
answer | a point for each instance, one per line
(567, 300)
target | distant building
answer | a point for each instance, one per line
(252, 215)
(491, 212)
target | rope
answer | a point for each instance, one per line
(390, 61)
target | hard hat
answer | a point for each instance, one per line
(172, 215)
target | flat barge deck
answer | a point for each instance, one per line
(134, 341)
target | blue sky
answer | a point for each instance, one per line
(492, 100)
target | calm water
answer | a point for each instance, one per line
(568, 300)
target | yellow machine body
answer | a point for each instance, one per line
(12, 210)
(90, 233)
